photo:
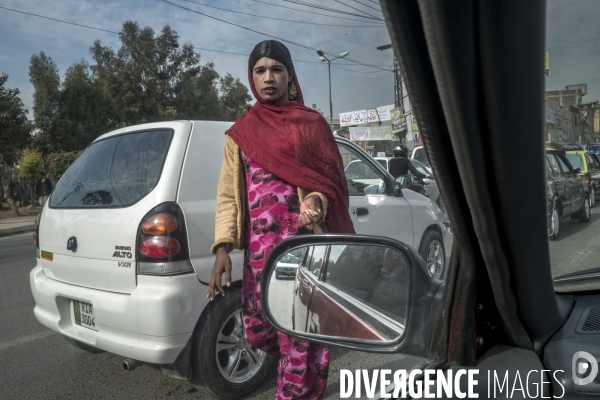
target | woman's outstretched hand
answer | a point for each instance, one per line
(222, 264)
(309, 211)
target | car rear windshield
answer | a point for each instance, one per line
(575, 160)
(421, 156)
(114, 172)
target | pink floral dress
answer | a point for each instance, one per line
(273, 210)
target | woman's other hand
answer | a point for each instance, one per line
(222, 264)
(310, 212)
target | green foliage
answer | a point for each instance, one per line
(149, 78)
(58, 164)
(15, 129)
(43, 74)
(31, 164)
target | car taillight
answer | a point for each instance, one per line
(162, 243)
(160, 247)
(587, 178)
(35, 238)
(159, 224)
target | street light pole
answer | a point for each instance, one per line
(323, 58)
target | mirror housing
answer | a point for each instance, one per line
(423, 324)
(576, 171)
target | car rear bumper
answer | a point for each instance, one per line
(152, 324)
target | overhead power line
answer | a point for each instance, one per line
(263, 33)
(195, 47)
(59, 20)
(287, 20)
(357, 9)
(320, 7)
(366, 5)
(362, 72)
(316, 13)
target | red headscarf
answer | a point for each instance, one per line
(295, 143)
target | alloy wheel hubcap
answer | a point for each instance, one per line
(554, 223)
(587, 209)
(435, 259)
(237, 360)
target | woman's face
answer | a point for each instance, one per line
(271, 80)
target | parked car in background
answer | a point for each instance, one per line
(568, 194)
(123, 251)
(589, 166)
(287, 266)
(420, 155)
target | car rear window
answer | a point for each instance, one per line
(114, 172)
(421, 156)
(575, 160)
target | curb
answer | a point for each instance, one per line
(16, 230)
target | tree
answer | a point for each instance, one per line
(86, 109)
(30, 166)
(44, 76)
(15, 134)
(58, 164)
(234, 98)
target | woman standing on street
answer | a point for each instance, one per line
(282, 175)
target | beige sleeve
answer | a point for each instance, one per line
(227, 209)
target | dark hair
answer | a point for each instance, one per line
(42, 173)
(271, 49)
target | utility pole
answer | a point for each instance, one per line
(398, 95)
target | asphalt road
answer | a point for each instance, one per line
(577, 247)
(36, 363)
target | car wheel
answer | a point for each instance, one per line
(585, 214)
(433, 253)
(83, 346)
(224, 365)
(554, 221)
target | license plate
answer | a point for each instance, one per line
(84, 314)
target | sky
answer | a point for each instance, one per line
(572, 37)
(573, 41)
(353, 88)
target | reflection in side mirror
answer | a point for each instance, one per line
(351, 291)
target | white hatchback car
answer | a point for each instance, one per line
(124, 257)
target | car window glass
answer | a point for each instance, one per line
(383, 163)
(420, 168)
(592, 164)
(566, 170)
(576, 160)
(375, 275)
(361, 177)
(421, 156)
(549, 168)
(316, 259)
(554, 164)
(114, 172)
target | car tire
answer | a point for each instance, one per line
(592, 196)
(554, 221)
(222, 317)
(83, 346)
(585, 214)
(433, 253)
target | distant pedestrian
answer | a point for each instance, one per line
(43, 187)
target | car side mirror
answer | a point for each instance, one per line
(360, 292)
(576, 171)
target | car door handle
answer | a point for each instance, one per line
(360, 211)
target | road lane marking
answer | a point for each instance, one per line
(26, 339)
